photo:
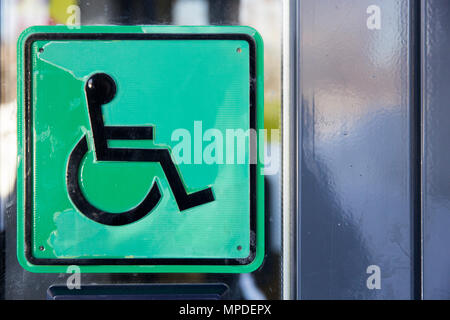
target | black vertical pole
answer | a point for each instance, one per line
(224, 12)
(416, 138)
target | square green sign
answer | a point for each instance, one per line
(136, 151)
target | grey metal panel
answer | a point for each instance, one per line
(436, 151)
(289, 181)
(356, 150)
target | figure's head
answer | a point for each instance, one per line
(101, 88)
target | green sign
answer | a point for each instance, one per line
(136, 148)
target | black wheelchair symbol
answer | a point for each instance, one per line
(100, 89)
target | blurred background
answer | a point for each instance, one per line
(16, 15)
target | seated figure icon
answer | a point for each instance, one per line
(100, 89)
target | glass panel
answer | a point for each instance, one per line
(18, 15)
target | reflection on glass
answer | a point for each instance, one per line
(264, 15)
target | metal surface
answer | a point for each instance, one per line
(141, 292)
(357, 161)
(436, 155)
(289, 194)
